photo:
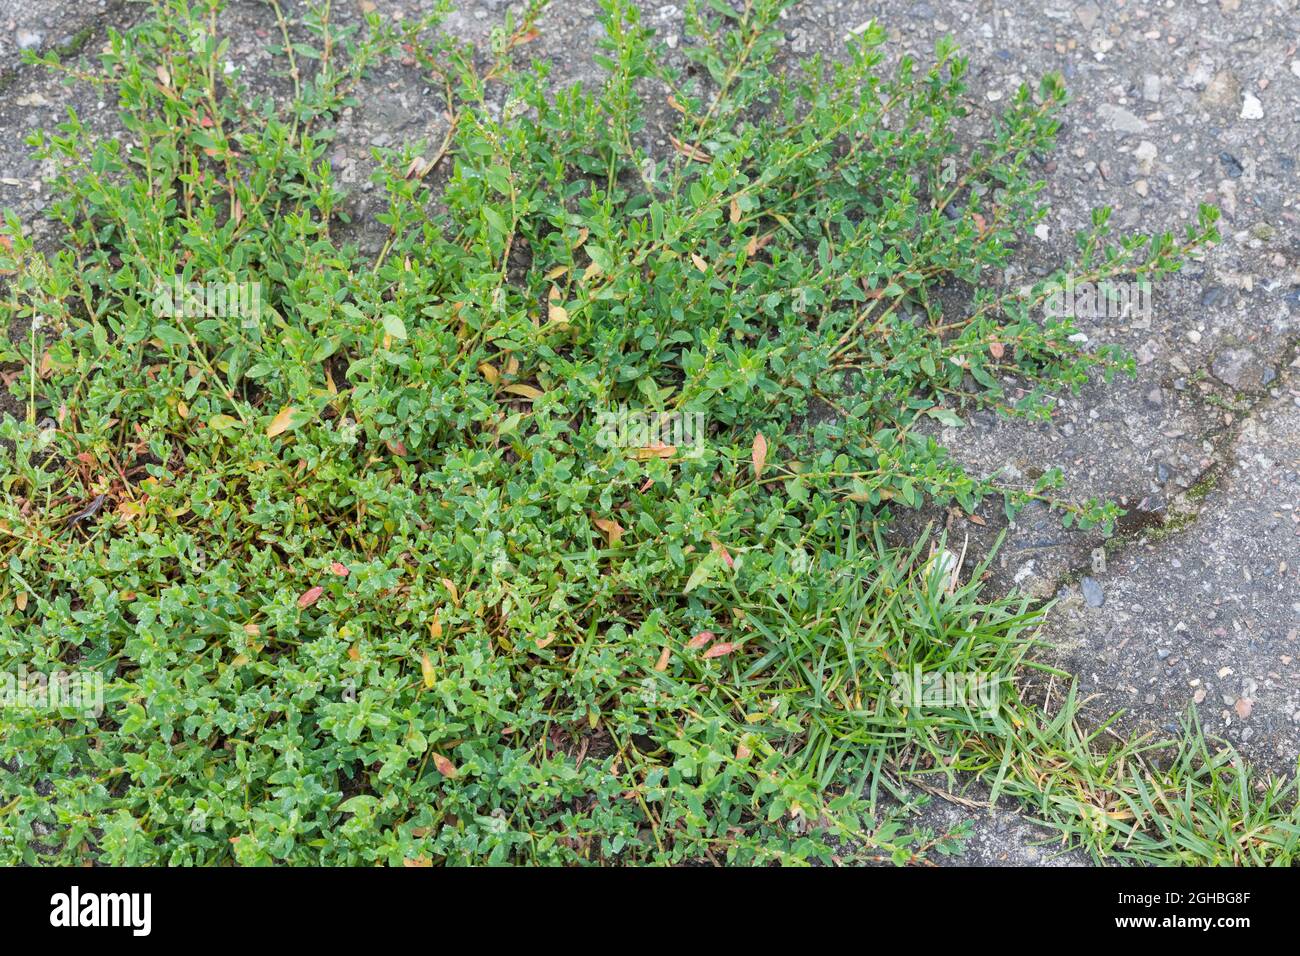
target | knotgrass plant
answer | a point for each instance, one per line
(370, 578)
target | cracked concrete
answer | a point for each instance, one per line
(1174, 104)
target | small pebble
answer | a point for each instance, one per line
(1231, 165)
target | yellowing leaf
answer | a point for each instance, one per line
(426, 669)
(490, 373)
(527, 391)
(661, 665)
(282, 422)
(699, 262)
(451, 589)
(612, 530)
(554, 311)
(654, 451)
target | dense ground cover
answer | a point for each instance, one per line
(553, 533)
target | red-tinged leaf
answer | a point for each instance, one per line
(699, 640)
(445, 766)
(339, 569)
(418, 167)
(997, 349)
(689, 150)
(396, 447)
(719, 650)
(648, 483)
(661, 665)
(723, 553)
(417, 861)
(310, 596)
(759, 454)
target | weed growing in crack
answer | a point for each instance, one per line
(363, 580)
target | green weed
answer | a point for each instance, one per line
(503, 545)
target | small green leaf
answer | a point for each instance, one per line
(394, 326)
(947, 416)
